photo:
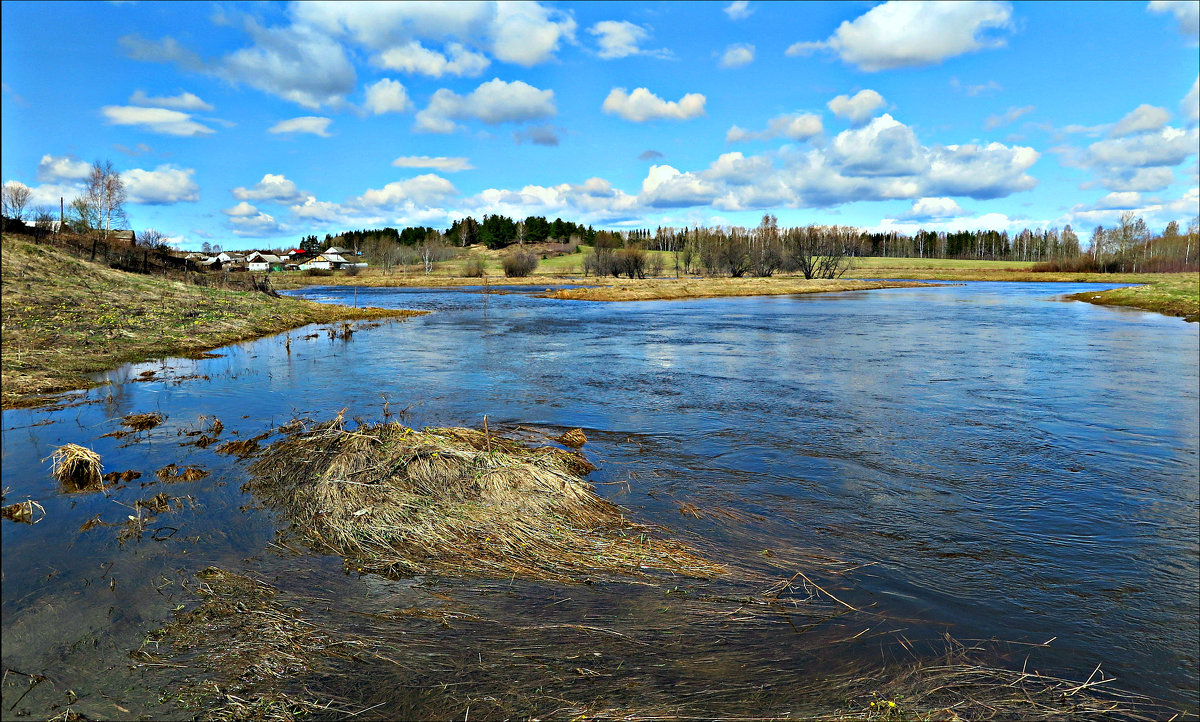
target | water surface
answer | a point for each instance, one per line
(982, 461)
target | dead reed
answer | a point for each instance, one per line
(142, 422)
(457, 501)
(77, 468)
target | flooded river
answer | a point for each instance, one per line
(980, 461)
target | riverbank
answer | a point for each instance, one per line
(65, 318)
(1169, 296)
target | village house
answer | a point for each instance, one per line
(258, 262)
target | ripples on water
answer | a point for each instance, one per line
(1009, 466)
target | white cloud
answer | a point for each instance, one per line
(904, 34)
(984, 172)
(241, 210)
(423, 190)
(884, 147)
(1190, 106)
(1145, 180)
(737, 55)
(1166, 147)
(183, 101)
(63, 167)
(168, 50)
(164, 185)
(931, 208)
(641, 105)
(857, 109)
(261, 225)
(413, 57)
(738, 10)
(440, 163)
(272, 187)
(666, 187)
(619, 39)
(1142, 118)
(797, 127)
(1123, 200)
(527, 33)
(1008, 117)
(304, 124)
(156, 120)
(294, 63)
(387, 96)
(1186, 12)
(492, 102)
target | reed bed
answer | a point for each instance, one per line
(76, 467)
(457, 502)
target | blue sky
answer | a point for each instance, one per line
(255, 124)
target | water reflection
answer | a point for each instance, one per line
(1011, 467)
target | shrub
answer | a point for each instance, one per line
(318, 272)
(473, 268)
(519, 263)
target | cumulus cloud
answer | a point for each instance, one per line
(304, 124)
(1165, 147)
(859, 108)
(797, 127)
(527, 34)
(387, 96)
(621, 39)
(424, 190)
(737, 55)
(241, 210)
(493, 102)
(641, 105)
(272, 187)
(294, 63)
(537, 135)
(1144, 180)
(738, 10)
(933, 208)
(183, 101)
(155, 120)
(912, 33)
(440, 163)
(884, 147)
(259, 225)
(1186, 12)
(1008, 117)
(1142, 118)
(666, 187)
(413, 57)
(982, 172)
(62, 167)
(164, 185)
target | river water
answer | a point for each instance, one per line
(981, 461)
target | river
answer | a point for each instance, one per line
(982, 461)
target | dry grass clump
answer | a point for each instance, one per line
(573, 438)
(457, 502)
(77, 468)
(23, 512)
(172, 473)
(243, 448)
(142, 422)
(115, 476)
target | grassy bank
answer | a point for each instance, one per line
(1176, 295)
(65, 318)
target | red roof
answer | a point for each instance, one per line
(297, 252)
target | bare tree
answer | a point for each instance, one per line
(105, 193)
(150, 238)
(818, 252)
(15, 200)
(43, 221)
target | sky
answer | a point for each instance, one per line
(252, 125)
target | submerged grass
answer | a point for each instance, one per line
(457, 502)
(64, 318)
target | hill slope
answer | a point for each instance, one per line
(64, 318)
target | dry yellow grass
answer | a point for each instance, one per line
(665, 289)
(65, 318)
